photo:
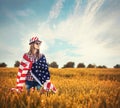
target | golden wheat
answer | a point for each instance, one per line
(77, 88)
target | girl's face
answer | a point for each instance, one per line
(36, 45)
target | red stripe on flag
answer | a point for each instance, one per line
(54, 89)
(19, 87)
(20, 70)
(48, 85)
(23, 75)
(21, 81)
(30, 65)
(26, 58)
(17, 82)
(26, 69)
(23, 64)
(18, 77)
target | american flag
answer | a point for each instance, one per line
(40, 71)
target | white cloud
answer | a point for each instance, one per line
(54, 13)
(77, 7)
(83, 32)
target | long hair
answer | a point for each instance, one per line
(31, 51)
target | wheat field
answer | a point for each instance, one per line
(76, 88)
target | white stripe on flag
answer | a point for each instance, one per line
(19, 74)
(22, 78)
(20, 85)
(51, 86)
(25, 61)
(24, 71)
(17, 80)
(21, 67)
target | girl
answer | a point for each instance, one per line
(33, 54)
(33, 69)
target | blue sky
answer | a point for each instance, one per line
(82, 31)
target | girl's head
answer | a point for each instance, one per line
(34, 46)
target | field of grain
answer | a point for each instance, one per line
(76, 88)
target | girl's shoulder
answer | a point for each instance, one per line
(41, 55)
(25, 54)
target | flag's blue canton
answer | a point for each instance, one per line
(40, 70)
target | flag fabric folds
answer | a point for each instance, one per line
(25, 65)
(39, 71)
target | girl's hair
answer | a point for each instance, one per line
(31, 50)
